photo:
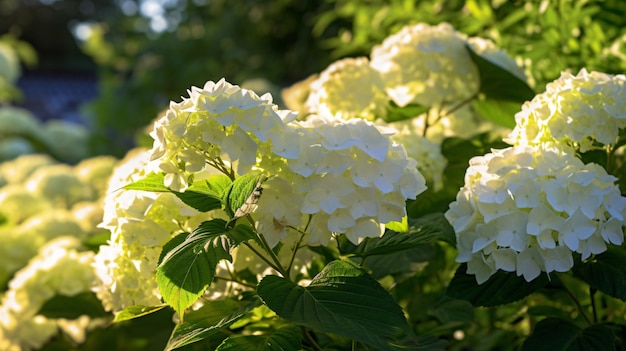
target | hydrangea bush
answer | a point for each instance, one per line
(410, 187)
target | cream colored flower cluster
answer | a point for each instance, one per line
(528, 209)
(60, 268)
(348, 175)
(140, 223)
(430, 65)
(349, 88)
(41, 199)
(583, 111)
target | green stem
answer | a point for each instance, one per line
(277, 265)
(592, 296)
(261, 256)
(310, 339)
(459, 105)
(236, 281)
(578, 305)
(295, 250)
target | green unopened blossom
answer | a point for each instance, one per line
(13, 147)
(349, 88)
(583, 111)
(67, 140)
(9, 65)
(527, 209)
(60, 268)
(15, 121)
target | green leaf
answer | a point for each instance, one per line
(205, 195)
(424, 230)
(188, 269)
(556, 334)
(72, 307)
(241, 233)
(342, 299)
(396, 113)
(243, 194)
(501, 288)
(209, 319)
(453, 310)
(136, 311)
(152, 182)
(606, 272)
(284, 339)
(500, 112)
(498, 83)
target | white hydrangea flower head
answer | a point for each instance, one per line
(59, 268)
(349, 176)
(219, 120)
(349, 88)
(430, 160)
(141, 223)
(15, 252)
(578, 110)
(295, 96)
(60, 185)
(89, 215)
(19, 169)
(426, 65)
(527, 209)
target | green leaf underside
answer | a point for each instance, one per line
(72, 307)
(606, 272)
(188, 269)
(243, 194)
(556, 334)
(396, 113)
(424, 230)
(136, 311)
(283, 339)
(342, 299)
(498, 83)
(209, 319)
(501, 288)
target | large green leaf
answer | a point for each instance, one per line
(243, 195)
(284, 339)
(498, 83)
(424, 230)
(188, 269)
(501, 288)
(136, 311)
(205, 195)
(500, 112)
(342, 299)
(606, 272)
(209, 319)
(556, 334)
(152, 182)
(72, 307)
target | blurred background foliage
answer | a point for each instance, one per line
(148, 52)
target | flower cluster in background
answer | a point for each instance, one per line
(583, 111)
(62, 267)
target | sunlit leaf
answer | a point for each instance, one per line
(136, 311)
(243, 194)
(187, 270)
